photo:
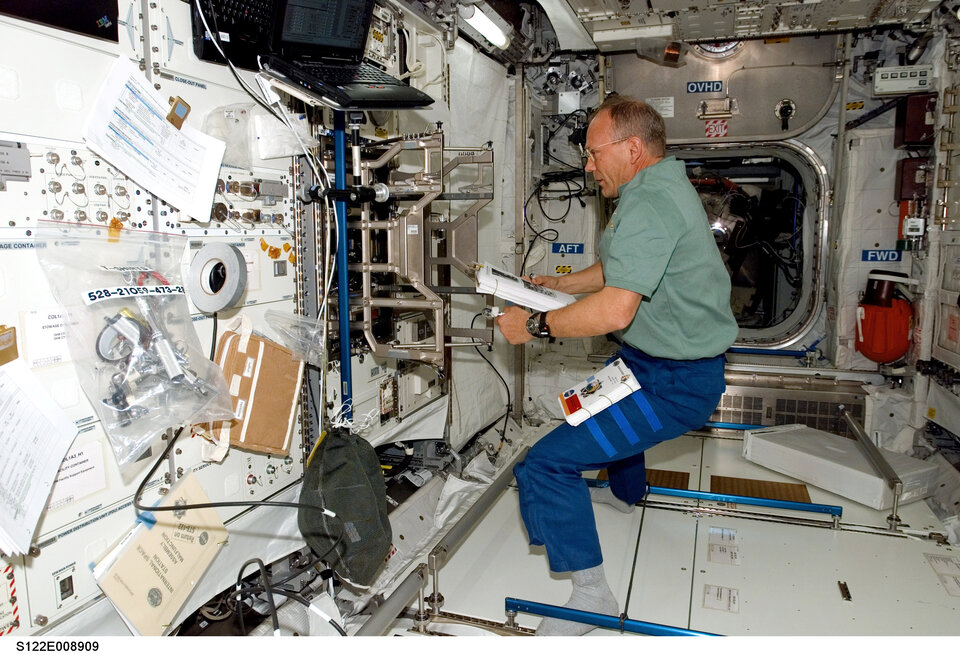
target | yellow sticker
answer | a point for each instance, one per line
(931, 413)
(563, 270)
(853, 106)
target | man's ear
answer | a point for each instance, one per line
(636, 150)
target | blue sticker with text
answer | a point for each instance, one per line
(568, 248)
(881, 255)
(709, 86)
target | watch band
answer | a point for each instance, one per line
(543, 327)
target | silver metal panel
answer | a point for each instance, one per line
(756, 78)
(719, 20)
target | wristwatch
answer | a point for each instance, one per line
(537, 325)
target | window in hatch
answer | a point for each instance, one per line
(764, 206)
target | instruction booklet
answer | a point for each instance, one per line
(151, 572)
(519, 291)
(599, 391)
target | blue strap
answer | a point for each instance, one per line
(624, 425)
(148, 519)
(647, 410)
(599, 437)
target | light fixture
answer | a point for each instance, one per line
(489, 30)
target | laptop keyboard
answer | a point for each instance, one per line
(364, 73)
(253, 14)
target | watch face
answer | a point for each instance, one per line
(533, 325)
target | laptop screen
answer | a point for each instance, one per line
(324, 28)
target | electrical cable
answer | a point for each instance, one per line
(251, 590)
(216, 43)
(212, 505)
(213, 343)
(537, 234)
(265, 580)
(503, 433)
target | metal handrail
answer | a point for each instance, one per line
(618, 622)
(879, 463)
(836, 511)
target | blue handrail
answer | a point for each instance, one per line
(343, 297)
(809, 507)
(829, 509)
(513, 605)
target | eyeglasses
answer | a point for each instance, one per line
(591, 153)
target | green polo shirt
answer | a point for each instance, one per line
(658, 243)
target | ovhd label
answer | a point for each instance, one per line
(710, 86)
(881, 255)
(568, 248)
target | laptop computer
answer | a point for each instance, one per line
(318, 45)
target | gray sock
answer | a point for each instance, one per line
(604, 495)
(590, 593)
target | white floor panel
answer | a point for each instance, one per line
(786, 581)
(678, 455)
(496, 561)
(664, 569)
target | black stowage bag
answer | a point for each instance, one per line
(344, 476)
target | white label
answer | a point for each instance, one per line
(721, 599)
(723, 535)
(664, 105)
(951, 584)
(944, 565)
(248, 367)
(45, 338)
(241, 409)
(82, 473)
(131, 269)
(721, 553)
(125, 292)
(413, 230)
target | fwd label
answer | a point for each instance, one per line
(881, 255)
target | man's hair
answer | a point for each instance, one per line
(635, 118)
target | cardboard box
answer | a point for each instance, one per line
(264, 381)
(837, 464)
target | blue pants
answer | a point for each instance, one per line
(675, 397)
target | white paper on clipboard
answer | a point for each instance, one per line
(128, 128)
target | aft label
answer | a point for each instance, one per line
(568, 248)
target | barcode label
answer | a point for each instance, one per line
(100, 294)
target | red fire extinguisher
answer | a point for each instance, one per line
(883, 321)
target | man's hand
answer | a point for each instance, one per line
(513, 325)
(546, 281)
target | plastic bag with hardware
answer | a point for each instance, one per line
(302, 336)
(129, 332)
